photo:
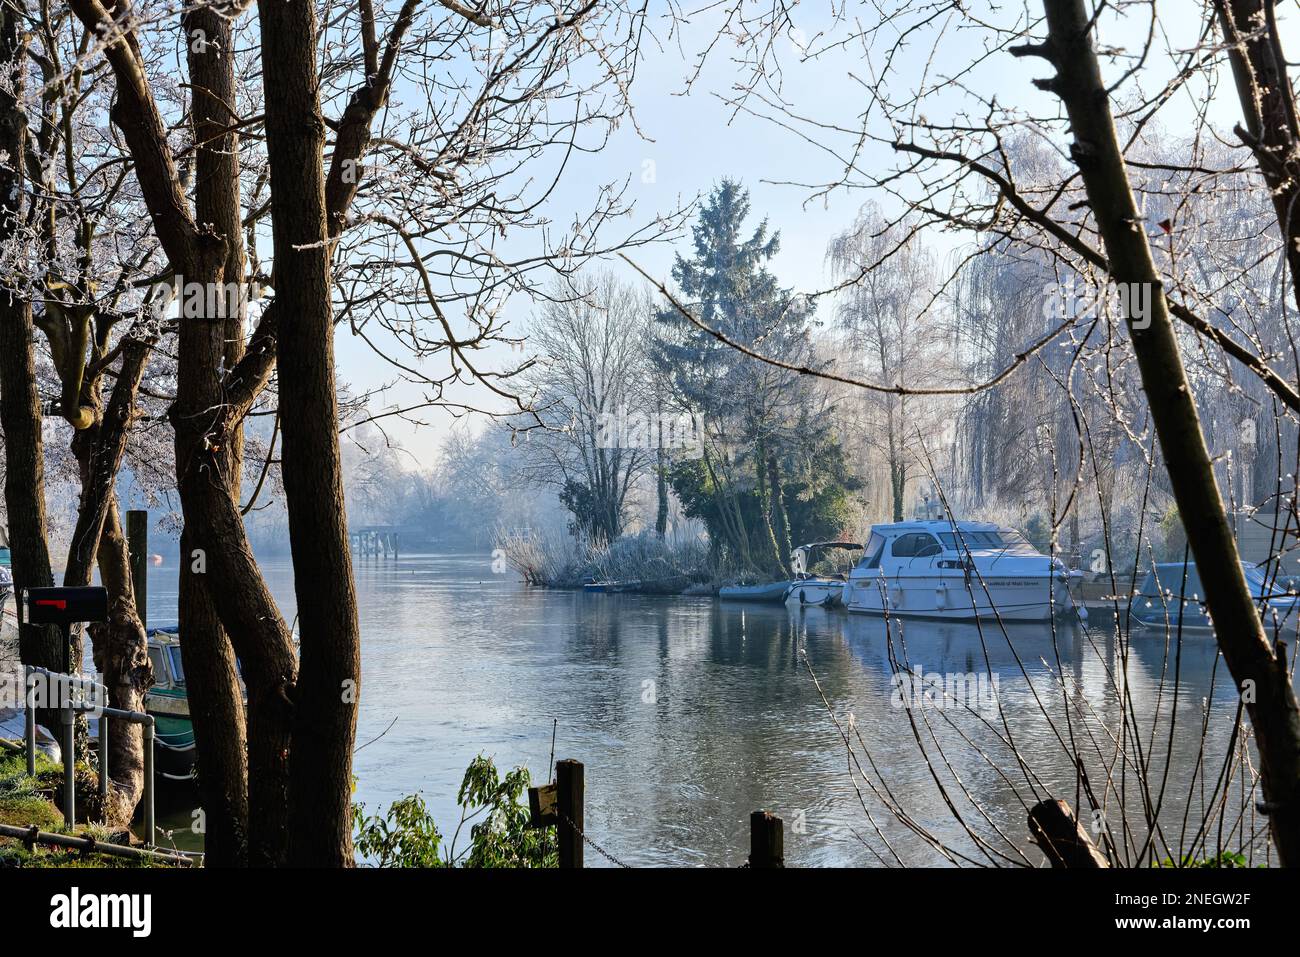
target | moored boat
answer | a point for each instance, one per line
(168, 702)
(610, 587)
(1172, 595)
(768, 591)
(808, 589)
(958, 570)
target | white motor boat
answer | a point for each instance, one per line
(959, 570)
(809, 589)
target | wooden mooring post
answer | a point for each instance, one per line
(766, 840)
(137, 543)
(568, 805)
(561, 804)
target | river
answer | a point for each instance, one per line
(689, 713)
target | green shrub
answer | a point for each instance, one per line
(1223, 859)
(495, 808)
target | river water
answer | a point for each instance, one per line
(689, 713)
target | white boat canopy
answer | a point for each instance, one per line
(799, 556)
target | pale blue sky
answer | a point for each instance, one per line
(696, 141)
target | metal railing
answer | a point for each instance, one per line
(69, 706)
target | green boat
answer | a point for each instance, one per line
(6, 578)
(169, 704)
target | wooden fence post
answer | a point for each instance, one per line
(137, 538)
(569, 786)
(766, 840)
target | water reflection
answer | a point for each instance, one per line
(690, 713)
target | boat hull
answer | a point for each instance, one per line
(1019, 598)
(824, 593)
(1156, 617)
(174, 734)
(610, 588)
(771, 592)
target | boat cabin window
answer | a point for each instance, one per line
(875, 548)
(174, 655)
(1002, 538)
(916, 545)
(160, 673)
(970, 539)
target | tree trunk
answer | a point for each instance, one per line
(897, 481)
(781, 518)
(99, 448)
(122, 658)
(216, 551)
(765, 530)
(1268, 106)
(208, 345)
(20, 407)
(217, 713)
(324, 729)
(661, 494)
(1259, 672)
(897, 467)
(729, 515)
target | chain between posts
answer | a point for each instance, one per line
(596, 847)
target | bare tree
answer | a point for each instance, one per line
(955, 172)
(20, 408)
(890, 331)
(409, 244)
(591, 345)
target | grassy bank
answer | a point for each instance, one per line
(30, 801)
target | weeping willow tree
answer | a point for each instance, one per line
(890, 332)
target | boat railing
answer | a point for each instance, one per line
(69, 706)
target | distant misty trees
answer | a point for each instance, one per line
(891, 335)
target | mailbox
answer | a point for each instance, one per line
(64, 606)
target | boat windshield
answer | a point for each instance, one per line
(1170, 583)
(875, 548)
(160, 676)
(1001, 538)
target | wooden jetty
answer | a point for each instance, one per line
(375, 541)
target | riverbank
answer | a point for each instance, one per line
(31, 802)
(644, 564)
(28, 802)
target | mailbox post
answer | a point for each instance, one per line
(65, 607)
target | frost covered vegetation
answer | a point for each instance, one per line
(655, 565)
(175, 178)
